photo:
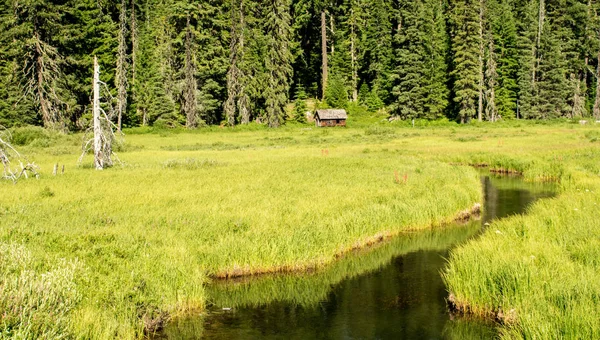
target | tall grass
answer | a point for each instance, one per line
(150, 232)
(308, 290)
(218, 202)
(35, 304)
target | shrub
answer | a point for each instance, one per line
(29, 134)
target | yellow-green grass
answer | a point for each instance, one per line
(146, 236)
(309, 289)
(132, 242)
(538, 274)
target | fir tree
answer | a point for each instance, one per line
(336, 94)
(33, 28)
(503, 28)
(527, 56)
(278, 60)
(465, 47)
(409, 92)
(237, 98)
(300, 107)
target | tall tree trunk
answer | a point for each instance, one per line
(121, 76)
(353, 56)
(481, 52)
(190, 87)
(324, 50)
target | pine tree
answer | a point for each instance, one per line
(554, 52)
(278, 60)
(300, 107)
(504, 34)
(377, 42)
(14, 109)
(33, 28)
(465, 46)
(527, 56)
(552, 83)
(190, 86)
(436, 54)
(237, 98)
(121, 74)
(491, 77)
(409, 92)
(336, 94)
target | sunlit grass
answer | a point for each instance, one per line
(185, 206)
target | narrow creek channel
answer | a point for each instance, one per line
(392, 291)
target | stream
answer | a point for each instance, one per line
(391, 291)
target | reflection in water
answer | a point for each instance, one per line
(391, 291)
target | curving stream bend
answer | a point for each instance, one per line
(391, 291)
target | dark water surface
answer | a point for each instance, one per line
(393, 291)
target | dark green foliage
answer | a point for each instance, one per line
(420, 89)
(278, 60)
(336, 94)
(300, 107)
(465, 48)
(504, 32)
(424, 59)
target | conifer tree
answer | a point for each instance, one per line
(553, 60)
(378, 47)
(300, 107)
(491, 77)
(190, 85)
(278, 60)
(465, 47)
(33, 28)
(237, 98)
(409, 92)
(121, 75)
(502, 27)
(436, 54)
(527, 57)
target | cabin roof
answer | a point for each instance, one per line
(332, 114)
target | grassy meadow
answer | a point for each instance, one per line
(105, 254)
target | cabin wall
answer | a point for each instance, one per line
(331, 122)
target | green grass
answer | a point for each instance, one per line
(187, 206)
(308, 290)
(137, 241)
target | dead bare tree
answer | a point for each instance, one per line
(102, 127)
(9, 155)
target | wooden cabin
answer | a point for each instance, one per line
(330, 117)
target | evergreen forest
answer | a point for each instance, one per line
(229, 62)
